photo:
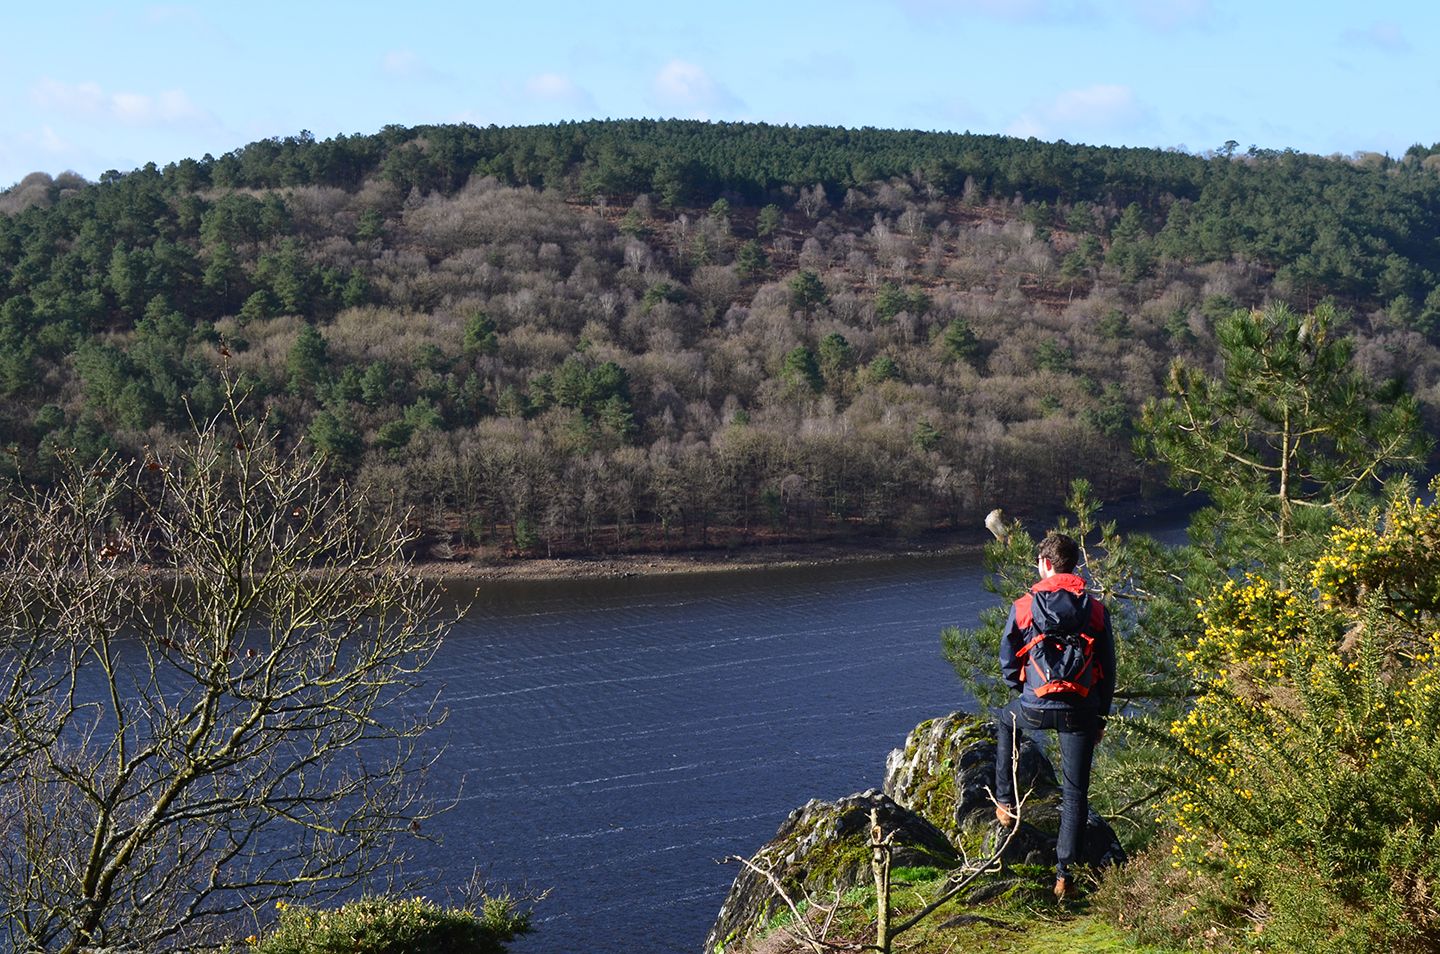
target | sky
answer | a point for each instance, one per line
(95, 86)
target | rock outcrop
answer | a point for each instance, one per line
(945, 772)
(821, 847)
(936, 797)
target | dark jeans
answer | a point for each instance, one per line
(1076, 730)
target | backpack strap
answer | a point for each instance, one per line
(1024, 651)
(1029, 646)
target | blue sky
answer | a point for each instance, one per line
(95, 86)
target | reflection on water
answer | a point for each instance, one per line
(610, 740)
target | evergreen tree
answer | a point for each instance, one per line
(307, 360)
(768, 221)
(807, 291)
(960, 342)
(801, 371)
(750, 260)
(1287, 425)
(836, 357)
(479, 337)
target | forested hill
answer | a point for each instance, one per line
(614, 334)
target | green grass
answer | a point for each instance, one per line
(1037, 935)
(1023, 919)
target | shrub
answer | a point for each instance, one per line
(1308, 763)
(1159, 902)
(395, 926)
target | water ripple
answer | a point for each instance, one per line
(613, 741)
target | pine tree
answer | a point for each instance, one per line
(1287, 425)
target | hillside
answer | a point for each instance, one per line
(626, 335)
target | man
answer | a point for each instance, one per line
(1058, 651)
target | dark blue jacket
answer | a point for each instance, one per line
(1059, 603)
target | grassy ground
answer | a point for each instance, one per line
(1038, 934)
(1015, 913)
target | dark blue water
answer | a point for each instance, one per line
(611, 740)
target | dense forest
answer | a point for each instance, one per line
(616, 335)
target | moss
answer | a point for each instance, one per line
(823, 868)
(784, 917)
(933, 753)
(972, 842)
(937, 795)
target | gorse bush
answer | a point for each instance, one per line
(1306, 782)
(1398, 568)
(395, 926)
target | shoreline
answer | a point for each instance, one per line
(739, 559)
(492, 567)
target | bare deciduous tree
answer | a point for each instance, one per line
(211, 695)
(812, 200)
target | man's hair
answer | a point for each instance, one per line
(1062, 552)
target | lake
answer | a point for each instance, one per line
(612, 740)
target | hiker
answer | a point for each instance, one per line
(1058, 652)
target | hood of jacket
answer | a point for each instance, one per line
(1059, 604)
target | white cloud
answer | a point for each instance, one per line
(1382, 35)
(1080, 113)
(686, 87)
(53, 142)
(170, 106)
(399, 62)
(188, 24)
(1164, 15)
(89, 100)
(559, 89)
(1106, 104)
(1026, 126)
(81, 98)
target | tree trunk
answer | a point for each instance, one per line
(880, 867)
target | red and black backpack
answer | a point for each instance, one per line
(1061, 664)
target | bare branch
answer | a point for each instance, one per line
(801, 930)
(210, 694)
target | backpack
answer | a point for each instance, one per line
(1062, 664)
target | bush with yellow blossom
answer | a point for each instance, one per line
(1308, 780)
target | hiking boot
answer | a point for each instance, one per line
(1004, 815)
(1065, 889)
